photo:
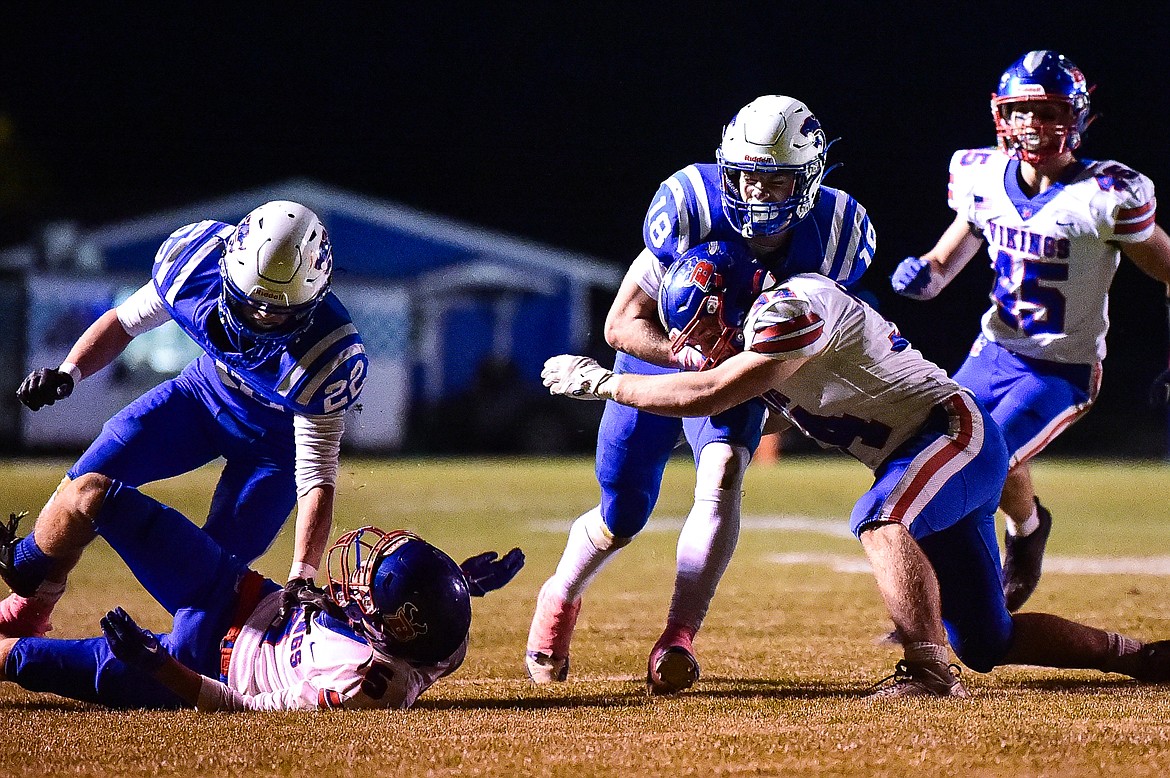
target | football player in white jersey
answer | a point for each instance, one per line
(764, 193)
(829, 365)
(1055, 228)
(393, 621)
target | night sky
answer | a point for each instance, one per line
(558, 125)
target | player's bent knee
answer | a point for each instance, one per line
(982, 652)
(86, 494)
(721, 466)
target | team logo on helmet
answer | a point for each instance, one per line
(402, 624)
(324, 259)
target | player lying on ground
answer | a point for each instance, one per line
(393, 621)
(831, 366)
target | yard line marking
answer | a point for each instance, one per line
(1061, 565)
(788, 523)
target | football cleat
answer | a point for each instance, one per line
(672, 667)
(1023, 558)
(1154, 662)
(547, 655)
(23, 618)
(8, 540)
(921, 679)
(544, 668)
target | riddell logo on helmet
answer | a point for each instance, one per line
(266, 294)
(754, 158)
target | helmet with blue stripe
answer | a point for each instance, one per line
(705, 297)
(1041, 107)
(276, 270)
(406, 596)
(771, 134)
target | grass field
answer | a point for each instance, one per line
(788, 649)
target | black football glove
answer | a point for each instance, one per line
(44, 387)
(133, 645)
(1160, 390)
(301, 592)
(485, 573)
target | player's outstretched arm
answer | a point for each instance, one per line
(141, 649)
(924, 277)
(97, 347)
(489, 571)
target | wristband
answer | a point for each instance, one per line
(72, 370)
(302, 570)
(607, 387)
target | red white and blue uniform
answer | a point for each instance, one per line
(211, 410)
(223, 616)
(1037, 362)
(939, 460)
(835, 239)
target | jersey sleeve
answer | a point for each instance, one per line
(852, 242)
(172, 248)
(142, 311)
(785, 326)
(329, 379)
(964, 167)
(679, 216)
(1129, 204)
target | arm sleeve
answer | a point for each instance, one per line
(649, 271)
(318, 449)
(784, 326)
(1133, 208)
(142, 311)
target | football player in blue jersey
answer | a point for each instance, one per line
(1055, 226)
(764, 192)
(393, 620)
(282, 362)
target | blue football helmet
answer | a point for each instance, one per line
(705, 297)
(771, 134)
(406, 596)
(276, 270)
(1041, 77)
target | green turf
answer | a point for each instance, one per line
(787, 650)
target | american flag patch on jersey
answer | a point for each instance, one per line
(791, 335)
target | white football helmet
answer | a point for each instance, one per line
(772, 134)
(276, 269)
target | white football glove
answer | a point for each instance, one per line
(578, 377)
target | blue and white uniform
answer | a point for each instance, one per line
(223, 616)
(938, 459)
(278, 426)
(835, 239)
(1037, 362)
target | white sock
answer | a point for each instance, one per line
(589, 547)
(1023, 528)
(927, 653)
(710, 534)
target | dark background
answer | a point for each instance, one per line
(559, 124)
